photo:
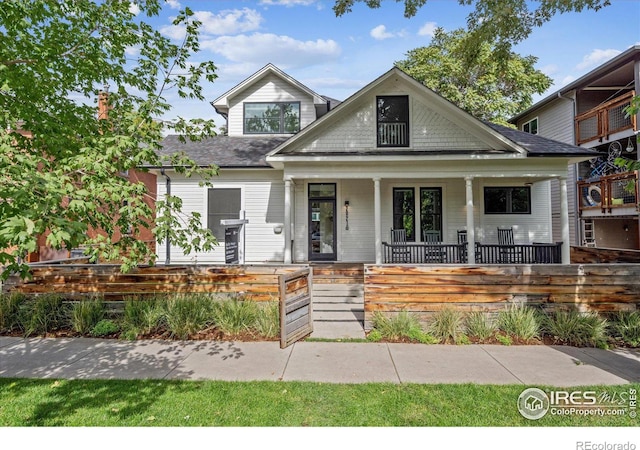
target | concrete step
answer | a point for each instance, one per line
(338, 311)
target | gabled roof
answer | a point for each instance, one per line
(498, 139)
(223, 100)
(224, 151)
(615, 63)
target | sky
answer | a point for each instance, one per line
(336, 56)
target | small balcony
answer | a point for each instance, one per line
(601, 122)
(609, 195)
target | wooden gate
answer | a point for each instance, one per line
(296, 321)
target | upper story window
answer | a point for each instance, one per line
(393, 120)
(271, 118)
(531, 126)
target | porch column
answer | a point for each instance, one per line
(564, 221)
(471, 228)
(287, 221)
(377, 220)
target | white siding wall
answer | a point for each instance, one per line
(263, 201)
(270, 89)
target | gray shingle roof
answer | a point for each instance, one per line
(224, 151)
(539, 146)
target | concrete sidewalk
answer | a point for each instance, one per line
(332, 362)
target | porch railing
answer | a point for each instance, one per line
(608, 118)
(422, 253)
(609, 193)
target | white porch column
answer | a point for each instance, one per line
(287, 221)
(564, 221)
(471, 228)
(377, 219)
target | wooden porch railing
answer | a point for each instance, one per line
(609, 192)
(422, 253)
(608, 118)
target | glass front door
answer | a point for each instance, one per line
(322, 223)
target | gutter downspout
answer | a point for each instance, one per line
(167, 259)
(577, 229)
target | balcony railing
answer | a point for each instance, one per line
(606, 119)
(393, 134)
(609, 193)
(423, 253)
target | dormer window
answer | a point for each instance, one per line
(393, 120)
(531, 126)
(271, 118)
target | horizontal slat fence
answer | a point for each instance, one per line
(590, 255)
(425, 289)
(259, 282)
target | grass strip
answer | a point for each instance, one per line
(147, 403)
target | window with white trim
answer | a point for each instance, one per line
(531, 126)
(271, 118)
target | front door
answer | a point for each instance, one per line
(322, 222)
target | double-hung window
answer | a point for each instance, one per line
(222, 203)
(507, 200)
(393, 120)
(271, 118)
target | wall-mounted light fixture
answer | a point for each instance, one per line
(346, 214)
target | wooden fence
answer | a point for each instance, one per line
(429, 288)
(259, 282)
(590, 255)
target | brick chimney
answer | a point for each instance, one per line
(103, 104)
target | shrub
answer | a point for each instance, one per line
(234, 316)
(10, 305)
(267, 322)
(626, 327)
(143, 316)
(519, 322)
(447, 326)
(374, 336)
(105, 327)
(45, 314)
(401, 326)
(85, 314)
(480, 325)
(188, 314)
(576, 328)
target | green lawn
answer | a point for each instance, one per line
(28, 402)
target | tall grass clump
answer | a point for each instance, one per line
(10, 306)
(44, 314)
(85, 314)
(234, 316)
(188, 314)
(626, 327)
(143, 316)
(403, 325)
(447, 326)
(576, 328)
(267, 322)
(480, 325)
(520, 322)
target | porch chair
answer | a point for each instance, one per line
(433, 252)
(462, 240)
(399, 250)
(507, 250)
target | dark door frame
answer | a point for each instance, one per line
(332, 200)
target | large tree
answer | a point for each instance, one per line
(61, 169)
(505, 22)
(485, 88)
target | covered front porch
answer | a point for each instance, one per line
(342, 213)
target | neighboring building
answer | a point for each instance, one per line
(320, 182)
(589, 112)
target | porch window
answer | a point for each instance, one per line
(431, 209)
(222, 203)
(507, 200)
(404, 211)
(393, 120)
(271, 118)
(531, 126)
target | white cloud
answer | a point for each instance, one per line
(550, 69)
(230, 21)
(173, 4)
(566, 80)
(283, 51)
(380, 33)
(134, 9)
(288, 2)
(597, 57)
(428, 29)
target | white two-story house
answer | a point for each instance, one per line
(320, 180)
